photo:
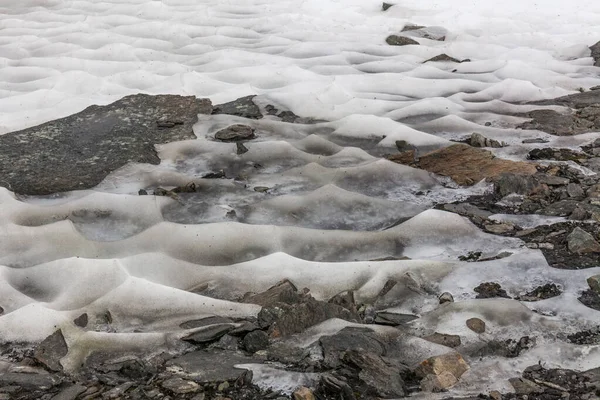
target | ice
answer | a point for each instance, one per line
(332, 204)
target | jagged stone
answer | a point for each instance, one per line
(51, 350)
(581, 242)
(242, 107)
(478, 140)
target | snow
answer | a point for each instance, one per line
(333, 204)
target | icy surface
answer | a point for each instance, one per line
(332, 204)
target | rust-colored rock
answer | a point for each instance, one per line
(467, 165)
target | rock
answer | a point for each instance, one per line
(395, 40)
(79, 151)
(208, 334)
(425, 32)
(524, 386)
(534, 140)
(28, 381)
(336, 386)
(227, 342)
(595, 49)
(350, 338)
(510, 183)
(211, 366)
(393, 319)
(561, 208)
(581, 242)
(81, 321)
(198, 323)
(476, 325)
(576, 100)
(468, 210)
(478, 140)
(51, 350)
(546, 291)
(468, 165)
(1, 310)
(242, 107)
(240, 148)
(552, 180)
(488, 290)
(261, 189)
(408, 157)
(557, 154)
(509, 348)
(303, 393)
(70, 393)
(235, 133)
(283, 292)
(442, 58)
(452, 363)
(499, 228)
(438, 383)
(375, 374)
(346, 300)
(284, 319)
(575, 190)
(180, 386)
(590, 299)
(255, 341)
(386, 6)
(444, 340)
(446, 297)
(495, 395)
(594, 283)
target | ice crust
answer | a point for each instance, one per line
(332, 204)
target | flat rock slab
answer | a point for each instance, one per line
(203, 367)
(79, 151)
(243, 107)
(467, 165)
(576, 100)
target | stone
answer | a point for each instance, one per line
(393, 319)
(376, 375)
(446, 297)
(1, 310)
(548, 153)
(395, 40)
(468, 210)
(337, 386)
(575, 190)
(524, 386)
(581, 242)
(180, 386)
(499, 228)
(240, 148)
(543, 292)
(495, 395)
(594, 283)
(198, 323)
(386, 6)
(534, 140)
(444, 339)
(211, 366)
(438, 365)
(438, 383)
(350, 338)
(468, 165)
(255, 341)
(28, 381)
(234, 133)
(81, 321)
(79, 151)
(595, 49)
(346, 300)
(476, 325)
(488, 290)
(283, 292)
(284, 319)
(51, 350)
(442, 58)
(303, 393)
(208, 334)
(70, 393)
(243, 107)
(478, 140)
(510, 183)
